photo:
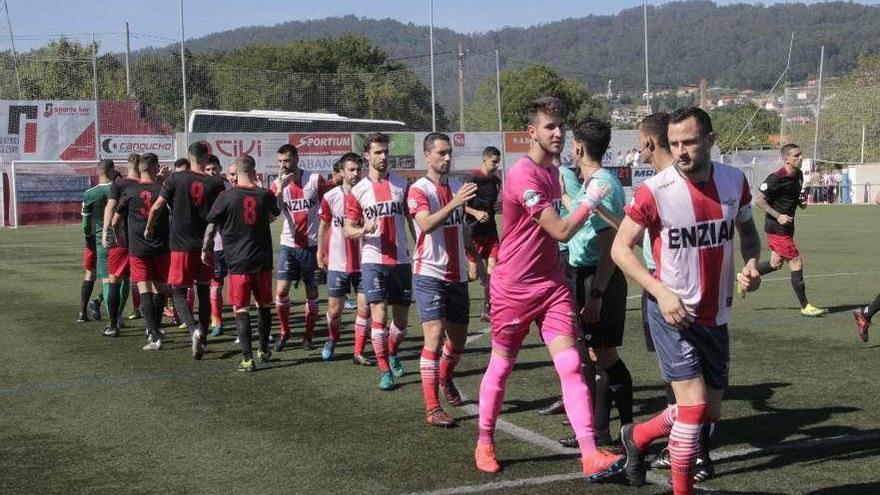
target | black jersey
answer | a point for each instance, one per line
(485, 199)
(783, 192)
(190, 196)
(134, 205)
(243, 214)
(119, 236)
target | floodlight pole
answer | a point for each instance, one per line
(183, 72)
(818, 111)
(95, 94)
(460, 88)
(431, 36)
(127, 61)
(647, 86)
(498, 88)
(14, 53)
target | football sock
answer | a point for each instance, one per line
(428, 368)
(576, 398)
(620, 384)
(158, 306)
(684, 443)
(135, 296)
(492, 395)
(113, 303)
(216, 302)
(602, 404)
(395, 338)
(797, 283)
(311, 317)
(86, 294)
(873, 308)
(282, 309)
(449, 360)
(360, 334)
(243, 325)
(265, 327)
(182, 308)
(190, 298)
(105, 295)
(204, 292)
(149, 314)
(124, 289)
(379, 337)
(333, 327)
(657, 427)
(765, 268)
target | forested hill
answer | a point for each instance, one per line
(734, 45)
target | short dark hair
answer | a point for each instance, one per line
(212, 159)
(180, 162)
(348, 157)
(698, 114)
(245, 164)
(787, 149)
(595, 135)
(199, 150)
(491, 151)
(107, 167)
(375, 137)
(431, 138)
(151, 161)
(656, 125)
(547, 105)
(134, 158)
(288, 149)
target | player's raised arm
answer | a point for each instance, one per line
(562, 229)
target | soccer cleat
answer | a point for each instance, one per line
(216, 330)
(810, 310)
(360, 359)
(279, 344)
(328, 350)
(386, 381)
(862, 324)
(438, 417)
(602, 464)
(95, 309)
(247, 365)
(198, 349)
(554, 408)
(703, 470)
(136, 315)
(635, 460)
(264, 357)
(183, 326)
(570, 442)
(110, 331)
(153, 345)
(82, 318)
(662, 461)
(484, 457)
(451, 393)
(308, 345)
(396, 366)
(350, 304)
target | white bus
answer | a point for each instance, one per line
(277, 121)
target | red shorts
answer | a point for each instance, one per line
(187, 267)
(486, 246)
(783, 245)
(90, 259)
(513, 310)
(149, 268)
(117, 262)
(242, 285)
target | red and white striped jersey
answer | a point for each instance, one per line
(439, 254)
(384, 203)
(341, 254)
(692, 227)
(299, 208)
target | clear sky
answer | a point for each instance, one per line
(36, 21)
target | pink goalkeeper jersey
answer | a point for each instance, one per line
(692, 229)
(438, 254)
(384, 203)
(342, 255)
(528, 255)
(299, 207)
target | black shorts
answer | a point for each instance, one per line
(608, 331)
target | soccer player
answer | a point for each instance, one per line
(89, 262)
(375, 212)
(148, 255)
(481, 215)
(690, 210)
(93, 205)
(600, 287)
(115, 237)
(863, 315)
(299, 192)
(190, 194)
(528, 285)
(779, 196)
(242, 215)
(436, 204)
(219, 260)
(341, 257)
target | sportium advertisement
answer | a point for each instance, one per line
(47, 130)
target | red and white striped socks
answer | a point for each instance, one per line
(684, 444)
(360, 334)
(657, 427)
(282, 310)
(311, 317)
(429, 369)
(395, 338)
(449, 360)
(379, 337)
(333, 327)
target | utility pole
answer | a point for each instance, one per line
(818, 111)
(14, 53)
(647, 86)
(431, 36)
(95, 94)
(460, 88)
(127, 61)
(183, 73)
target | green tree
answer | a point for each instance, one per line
(729, 122)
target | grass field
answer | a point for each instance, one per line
(85, 414)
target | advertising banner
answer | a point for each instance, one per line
(401, 152)
(641, 174)
(47, 130)
(318, 151)
(467, 149)
(230, 145)
(119, 146)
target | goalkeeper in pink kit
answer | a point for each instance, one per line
(528, 286)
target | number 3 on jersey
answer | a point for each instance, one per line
(249, 205)
(147, 198)
(197, 193)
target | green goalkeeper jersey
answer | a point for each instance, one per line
(94, 201)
